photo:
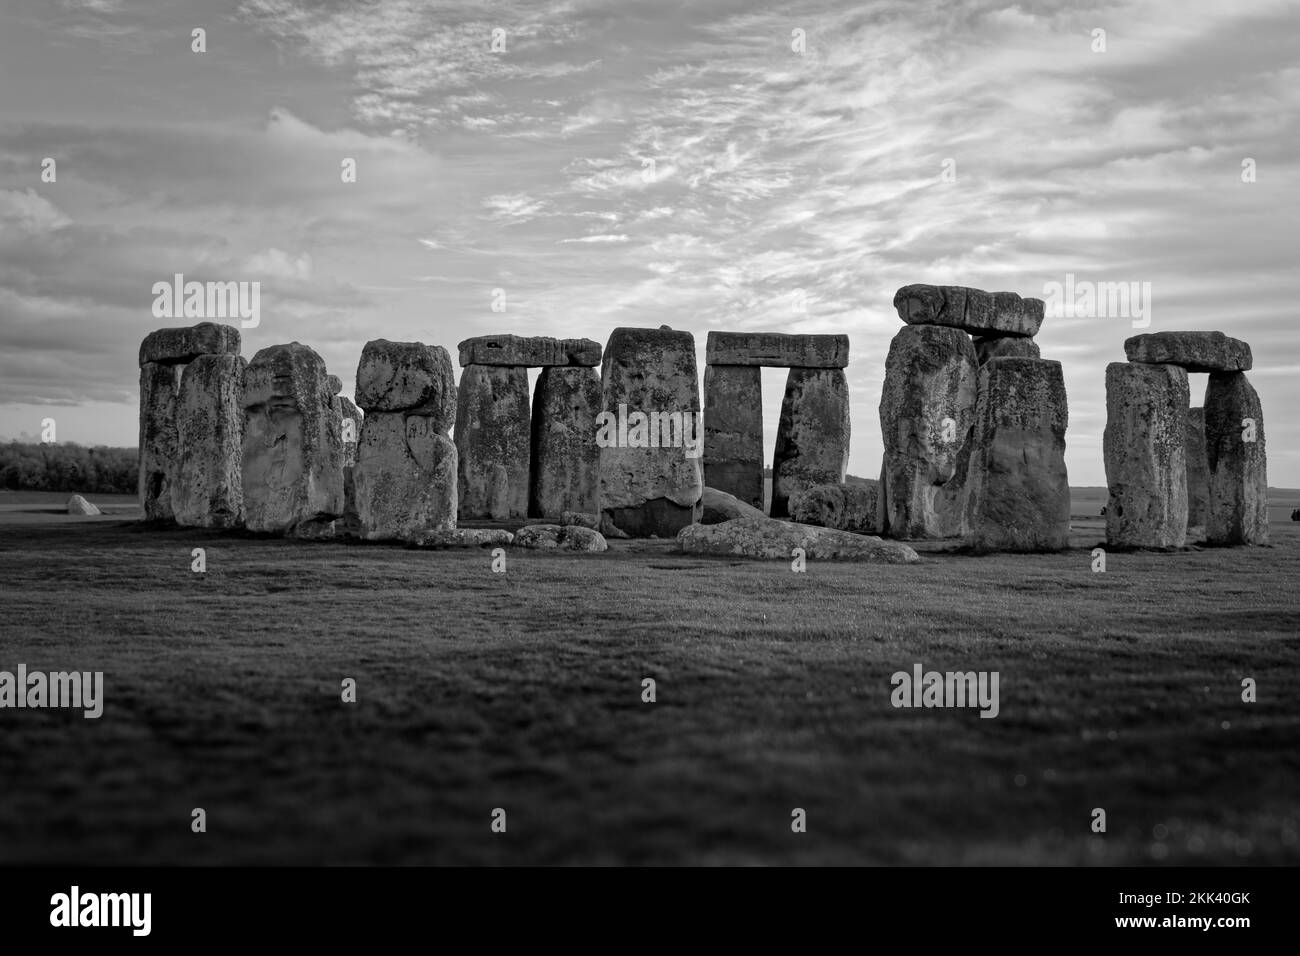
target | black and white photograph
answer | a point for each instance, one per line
(650, 434)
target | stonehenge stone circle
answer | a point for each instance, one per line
(528, 351)
(208, 490)
(812, 437)
(157, 452)
(718, 506)
(493, 438)
(971, 310)
(565, 457)
(1194, 351)
(292, 467)
(404, 480)
(777, 350)
(927, 411)
(1144, 445)
(1198, 469)
(733, 430)
(651, 489)
(1237, 512)
(1019, 492)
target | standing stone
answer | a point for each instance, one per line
(1146, 457)
(649, 485)
(812, 437)
(404, 479)
(733, 430)
(292, 449)
(1235, 453)
(493, 435)
(842, 507)
(927, 411)
(1019, 491)
(565, 456)
(1198, 469)
(157, 453)
(208, 490)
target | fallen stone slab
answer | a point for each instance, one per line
(773, 539)
(971, 310)
(176, 346)
(581, 518)
(777, 350)
(718, 506)
(560, 537)
(78, 505)
(461, 538)
(532, 351)
(1194, 351)
(842, 507)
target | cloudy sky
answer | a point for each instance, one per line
(642, 162)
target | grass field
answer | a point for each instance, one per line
(522, 691)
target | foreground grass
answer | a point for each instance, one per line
(522, 690)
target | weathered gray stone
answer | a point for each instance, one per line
(407, 377)
(292, 449)
(1194, 351)
(812, 437)
(404, 478)
(733, 430)
(208, 489)
(843, 507)
(157, 452)
(927, 412)
(178, 346)
(1198, 470)
(350, 420)
(581, 518)
(1005, 346)
(493, 436)
(971, 310)
(1146, 458)
(772, 539)
(718, 506)
(609, 529)
(1238, 499)
(335, 384)
(565, 457)
(462, 538)
(649, 376)
(777, 350)
(560, 537)
(531, 351)
(1019, 491)
(78, 505)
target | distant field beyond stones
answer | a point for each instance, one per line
(522, 690)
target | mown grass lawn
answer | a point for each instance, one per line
(523, 690)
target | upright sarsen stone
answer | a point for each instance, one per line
(812, 437)
(1198, 470)
(157, 452)
(208, 490)
(292, 449)
(651, 489)
(565, 456)
(493, 437)
(1018, 488)
(1145, 453)
(407, 377)
(1237, 512)
(927, 411)
(733, 430)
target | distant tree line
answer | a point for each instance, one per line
(66, 466)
